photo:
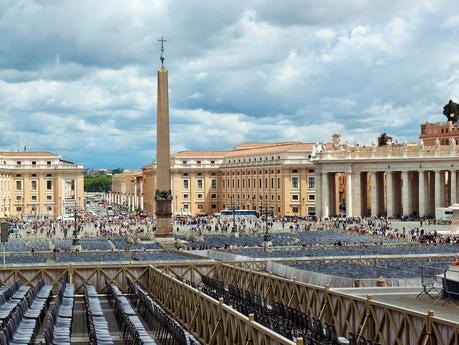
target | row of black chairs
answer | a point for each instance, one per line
(134, 333)
(97, 324)
(289, 322)
(9, 300)
(58, 328)
(165, 328)
(26, 317)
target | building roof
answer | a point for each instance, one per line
(28, 154)
(273, 148)
(188, 154)
(254, 145)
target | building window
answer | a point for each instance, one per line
(34, 198)
(198, 162)
(33, 175)
(272, 182)
(19, 185)
(19, 209)
(278, 183)
(214, 206)
(34, 162)
(199, 196)
(200, 183)
(223, 181)
(18, 163)
(49, 175)
(185, 196)
(295, 197)
(186, 184)
(259, 183)
(213, 196)
(295, 182)
(34, 185)
(278, 197)
(243, 183)
(184, 162)
(49, 197)
(238, 183)
(18, 198)
(199, 207)
(49, 185)
(185, 206)
(311, 210)
(49, 208)
(212, 162)
(295, 209)
(248, 183)
(311, 182)
(213, 183)
(311, 197)
(48, 162)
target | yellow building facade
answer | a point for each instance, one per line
(39, 185)
(277, 177)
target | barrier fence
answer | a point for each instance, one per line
(216, 323)
(381, 322)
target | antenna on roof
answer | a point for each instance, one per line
(25, 148)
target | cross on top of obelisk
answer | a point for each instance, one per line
(162, 40)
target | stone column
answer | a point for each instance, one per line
(422, 194)
(442, 189)
(405, 194)
(141, 201)
(325, 196)
(453, 187)
(374, 195)
(318, 188)
(437, 192)
(349, 194)
(390, 194)
(356, 194)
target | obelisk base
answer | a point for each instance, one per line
(163, 219)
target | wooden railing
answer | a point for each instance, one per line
(213, 322)
(374, 320)
(216, 323)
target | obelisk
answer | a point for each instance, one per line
(163, 195)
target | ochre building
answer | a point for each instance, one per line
(39, 185)
(274, 177)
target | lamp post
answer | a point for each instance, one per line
(76, 229)
(266, 238)
(233, 208)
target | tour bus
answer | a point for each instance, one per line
(443, 213)
(239, 214)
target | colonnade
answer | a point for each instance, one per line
(132, 201)
(394, 194)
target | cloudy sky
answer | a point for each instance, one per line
(79, 77)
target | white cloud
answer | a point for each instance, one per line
(79, 78)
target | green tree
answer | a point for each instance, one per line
(98, 183)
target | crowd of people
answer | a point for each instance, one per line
(91, 224)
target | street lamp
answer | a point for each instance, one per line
(266, 237)
(76, 227)
(233, 208)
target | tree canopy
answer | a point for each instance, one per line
(98, 183)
